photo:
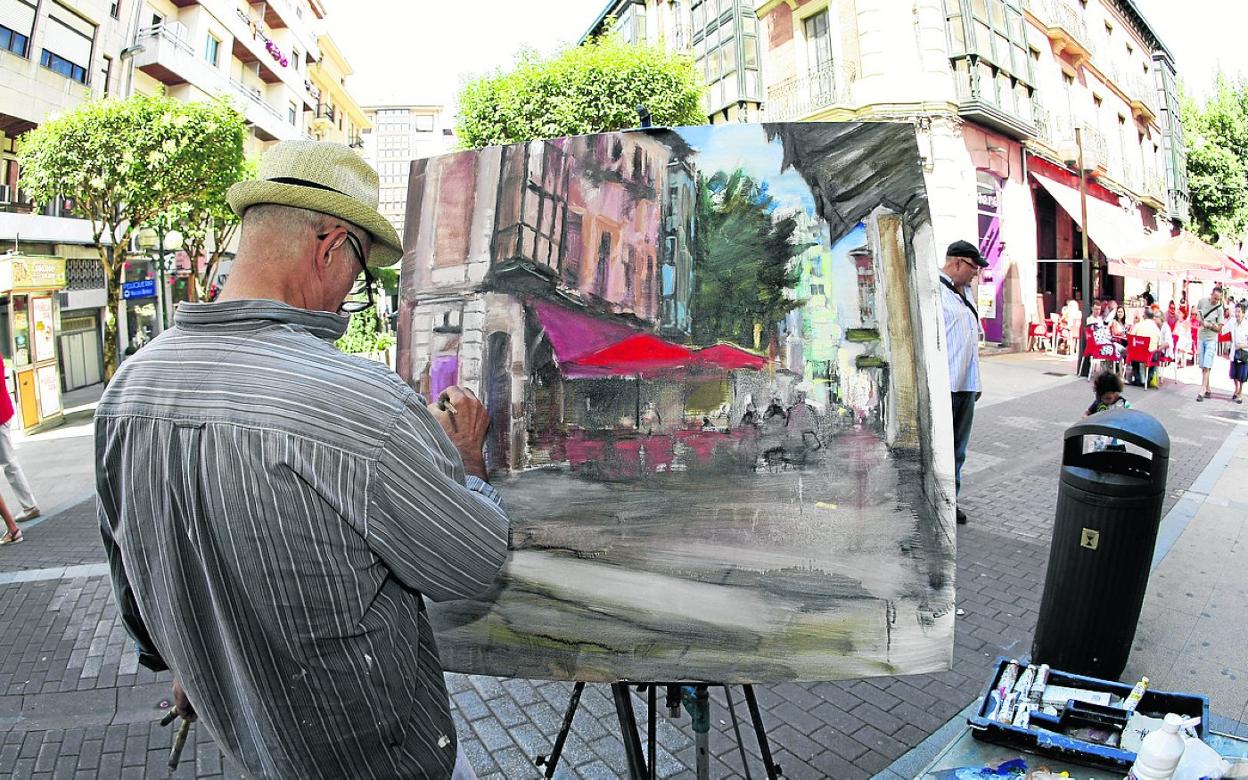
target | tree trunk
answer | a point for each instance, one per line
(113, 288)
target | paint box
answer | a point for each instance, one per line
(1041, 734)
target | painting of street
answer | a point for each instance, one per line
(712, 362)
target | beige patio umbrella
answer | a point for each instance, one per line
(1183, 255)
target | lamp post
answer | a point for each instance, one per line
(1074, 156)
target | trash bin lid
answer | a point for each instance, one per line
(1108, 483)
(1130, 425)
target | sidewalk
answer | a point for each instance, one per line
(73, 703)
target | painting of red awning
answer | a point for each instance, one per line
(711, 363)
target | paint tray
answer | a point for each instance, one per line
(1042, 735)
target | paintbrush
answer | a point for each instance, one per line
(179, 742)
(444, 404)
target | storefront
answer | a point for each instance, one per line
(28, 319)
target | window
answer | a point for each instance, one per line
(115, 9)
(1097, 101)
(991, 58)
(13, 41)
(292, 112)
(294, 58)
(818, 42)
(212, 51)
(424, 123)
(58, 64)
(106, 74)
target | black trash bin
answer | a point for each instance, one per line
(1108, 512)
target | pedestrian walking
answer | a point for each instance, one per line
(8, 457)
(12, 534)
(276, 512)
(1211, 313)
(1238, 330)
(962, 264)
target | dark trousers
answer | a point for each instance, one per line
(963, 416)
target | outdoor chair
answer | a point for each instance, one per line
(1138, 352)
(1038, 337)
(1100, 349)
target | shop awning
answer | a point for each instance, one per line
(729, 357)
(573, 335)
(1113, 230)
(641, 354)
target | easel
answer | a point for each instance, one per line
(696, 700)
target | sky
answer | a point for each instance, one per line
(746, 147)
(421, 50)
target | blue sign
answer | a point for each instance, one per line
(142, 289)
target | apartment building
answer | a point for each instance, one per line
(260, 54)
(337, 116)
(399, 134)
(271, 57)
(996, 89)
(722, 35)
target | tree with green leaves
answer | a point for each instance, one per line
(592, 88)
(206, 221)
(744, 256)
(124, 163)
(1217, 161)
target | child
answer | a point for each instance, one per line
(1108, 389)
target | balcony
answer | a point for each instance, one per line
(167, 57)
(356, 142)
(800, 97)
(992, 99)
(250, 35)
(1096, 146)
(267, 122)
(1143, 97)
(1155, 192)
(1066, 28)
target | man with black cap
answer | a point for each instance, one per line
(962, 264)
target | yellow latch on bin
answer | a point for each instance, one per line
(1090, 539)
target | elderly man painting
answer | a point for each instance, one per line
(274, 510)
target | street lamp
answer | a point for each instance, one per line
(1073, 155)
(150, 239)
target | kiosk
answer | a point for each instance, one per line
(28, 329)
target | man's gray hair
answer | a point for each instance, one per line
(274, 216)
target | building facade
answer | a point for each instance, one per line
(394, 135)
(270, 58)
(337, 116)
(996, 89)
(723, 36)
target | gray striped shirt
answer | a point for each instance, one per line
(273, 511)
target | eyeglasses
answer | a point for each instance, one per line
(354, 306)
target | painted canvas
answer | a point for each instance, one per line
(718, 398)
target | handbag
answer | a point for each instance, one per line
(1241, 355)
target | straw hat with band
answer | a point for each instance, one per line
(327, 178)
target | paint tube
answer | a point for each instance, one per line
(1008, 678)
(1023, 686)
(1037, 687)
(994, 705)
(1008, 707)
(1137, 693)
(1022, 717)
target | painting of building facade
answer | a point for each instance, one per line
(713, 367)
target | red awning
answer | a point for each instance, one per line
(729, 357)
(641, 354)
(572, 334)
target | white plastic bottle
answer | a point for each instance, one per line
(1160, 751)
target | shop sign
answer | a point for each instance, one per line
(144, 288)
(32, 272)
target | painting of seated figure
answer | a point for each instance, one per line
(719, 416)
